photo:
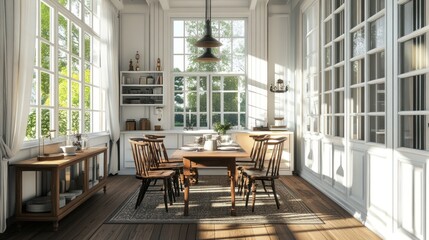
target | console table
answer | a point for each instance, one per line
(60, 185)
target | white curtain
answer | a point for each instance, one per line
(17, 39)
(110, 74)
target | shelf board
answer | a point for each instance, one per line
(142, 95)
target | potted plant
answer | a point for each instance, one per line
(222, 128)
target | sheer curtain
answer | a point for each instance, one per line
(17, 38)
(110, 75)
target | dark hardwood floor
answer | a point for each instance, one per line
(87, 221)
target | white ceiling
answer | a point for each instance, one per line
(201, 3)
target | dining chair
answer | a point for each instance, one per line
(256, 160)
(141, 155)
(158, 156)
(269, 171)
(163, 154)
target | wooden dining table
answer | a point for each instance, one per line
(202, 159)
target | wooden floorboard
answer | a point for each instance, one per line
(88, 220)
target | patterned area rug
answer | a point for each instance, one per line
(210, 202)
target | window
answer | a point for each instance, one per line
(205, 93)
(66, 90)
(413, 75)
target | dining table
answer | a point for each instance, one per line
(205, 158)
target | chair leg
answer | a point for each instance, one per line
(170, 191)
(275, 194)
(142, 192)
(249, 183)
(254, 186)
(165, 194)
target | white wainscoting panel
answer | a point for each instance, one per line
(357, 172)
(327, 163)
(340, 169)
(380, 190)
(410, 198)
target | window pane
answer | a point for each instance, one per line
(376, 97)
(339, 77)
(87, 122)
(215, 118)
(377, 132)
(328, 125)
(31, 125)
(375, 6)
(63, 24)
(75, 94)
(230, 83)
(203, 84)
(45, 89)
(376, 66)
(178, 83)
(88, 17)
(243, 120)
(75, 7)
(45, 56)
(203, 102)
(339, 51)
(328, 56)
(75, 123)
(238, 28)
(358, 42)
(65, 3)
(63, 92)
(412, 54)
(328, 31)
(414, 131)
(231, 118)
(95, 102)
(339, 126)
(178, 28)
(414, 93)
(75, 37)
(328, 80)
(179, 102)
(45, 123)
(87, 73)
(216, 84)
(45, 21)
(412, 16)
(216, 102)
(230, 102)
(178, 120)
(357, 71)
(87, 96)
(88, 47)
(63, 59)
(75, 68)
(327, 105)
(339, 24)
(339, 102)
(203, 120)
(178, 45)
(328, 8)
(34, 87)
(358, 100)
(358, 127)
(62, 122)
(358, 12)
(242, 102)
(377, 33)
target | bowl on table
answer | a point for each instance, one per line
(69, 150)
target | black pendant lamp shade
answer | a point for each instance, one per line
(208, 41)
(208, 56)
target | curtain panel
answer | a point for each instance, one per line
(110, 73)
(17, 34)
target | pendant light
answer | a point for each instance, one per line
(208, 41)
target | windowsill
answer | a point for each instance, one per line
(35, 143)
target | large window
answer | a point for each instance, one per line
(413, 75)
(66, 92)
(205, 93)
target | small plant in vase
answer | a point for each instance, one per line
(222, 128)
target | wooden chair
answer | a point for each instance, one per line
(158, 156)
(141, 154)
(256, 160)
(265, 173)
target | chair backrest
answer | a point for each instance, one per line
(259, 150)
(141, 151)
(158, 151)
(276, 156)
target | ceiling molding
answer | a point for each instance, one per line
(165, 4)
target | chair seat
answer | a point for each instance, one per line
(160, 174)
(170, 165)
(258, 174)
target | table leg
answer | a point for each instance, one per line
(187, 175)
(232, 177)
(186, 196)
